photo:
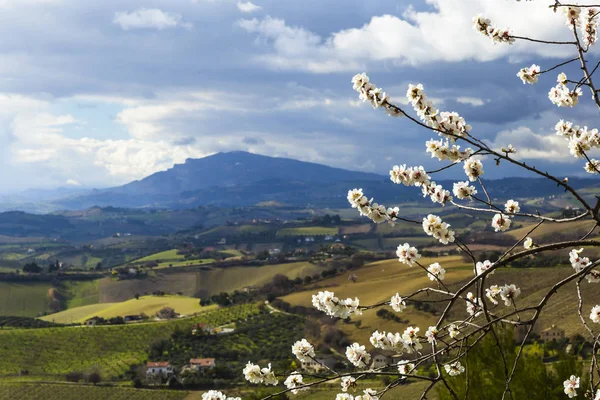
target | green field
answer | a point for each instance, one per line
(80, 293)
(185, 263)
(308, 230)
(24, 299)
(46, 391)
(163, 255)
(109, 349)
(148, 305)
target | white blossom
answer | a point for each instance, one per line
(405, 367)
(597, 397)
(294, 381)
(571, 385)
(463, 190)
(348, 382)
(344, 396)
(386, 341)
(492, 293)
(303, 350)
(481, 267)
(436, 272)
(595, 314)
(254, 374)
(453, 331)
(410, 338)
(528, 243)
(592, 166)
(431, 334)
(454, 368)
(433, 226)
(512, 207)
(216, 395)
(484, 26)
(376, 96)
(509, 293)
(474, 305)
(357, 355)
(368, 394)
(397, 303)
(593, 276)
(560, 94)
(328, 303)
(578, 262)
(590, 26)
(407, 254)
(529, 74)
(443, 150)
(501, 222)
(473, 168)
(571, 16)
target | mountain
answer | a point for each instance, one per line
(230, 179)
(238, 179)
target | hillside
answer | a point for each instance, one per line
(148, 305)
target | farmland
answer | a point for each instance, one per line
(47, 391)
(109, 349)
(148, 305)
(308, 230)
(24, 299)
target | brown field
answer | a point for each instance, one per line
(353, 229)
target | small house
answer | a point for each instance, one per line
(163, 368)
(93, 321)
(131, 318)
(379, 360)
(553, 333)
(201, 364)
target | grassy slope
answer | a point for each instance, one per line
(24, 299)
(146, 304)
(77, 392)
(210, 282)
(378, 282)
(163, 255)
(110, 349)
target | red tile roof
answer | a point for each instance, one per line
(203, 362)
(159, 364)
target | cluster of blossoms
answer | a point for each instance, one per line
(442, 150)
(484, 26)
(374, 95)
(436, 272)
(216, 395)
(463, 190)
(411, 339)
(434, 226)
(454, 369)
(416, 176)
(376, 212)
(508, 293)
(254, 374)
(481, 267)
(328, 303)
(561, 96)
(407, 254)
(590, 26)
(595, 314)
(474, 305)
(358, 356)
(501, 222)
(295, 383)
(449, 124)
(529, 74)
(386, 341)
(303, 350)
(368, 394)
(397, 303)
(580, 140)
(473, 168)
(571, 385)
(577, 261)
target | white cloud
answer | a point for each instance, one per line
(247, 6)
(72, 182)
(149, 18)
(474, 101)
(415, 38)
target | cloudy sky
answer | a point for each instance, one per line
(98, 93)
